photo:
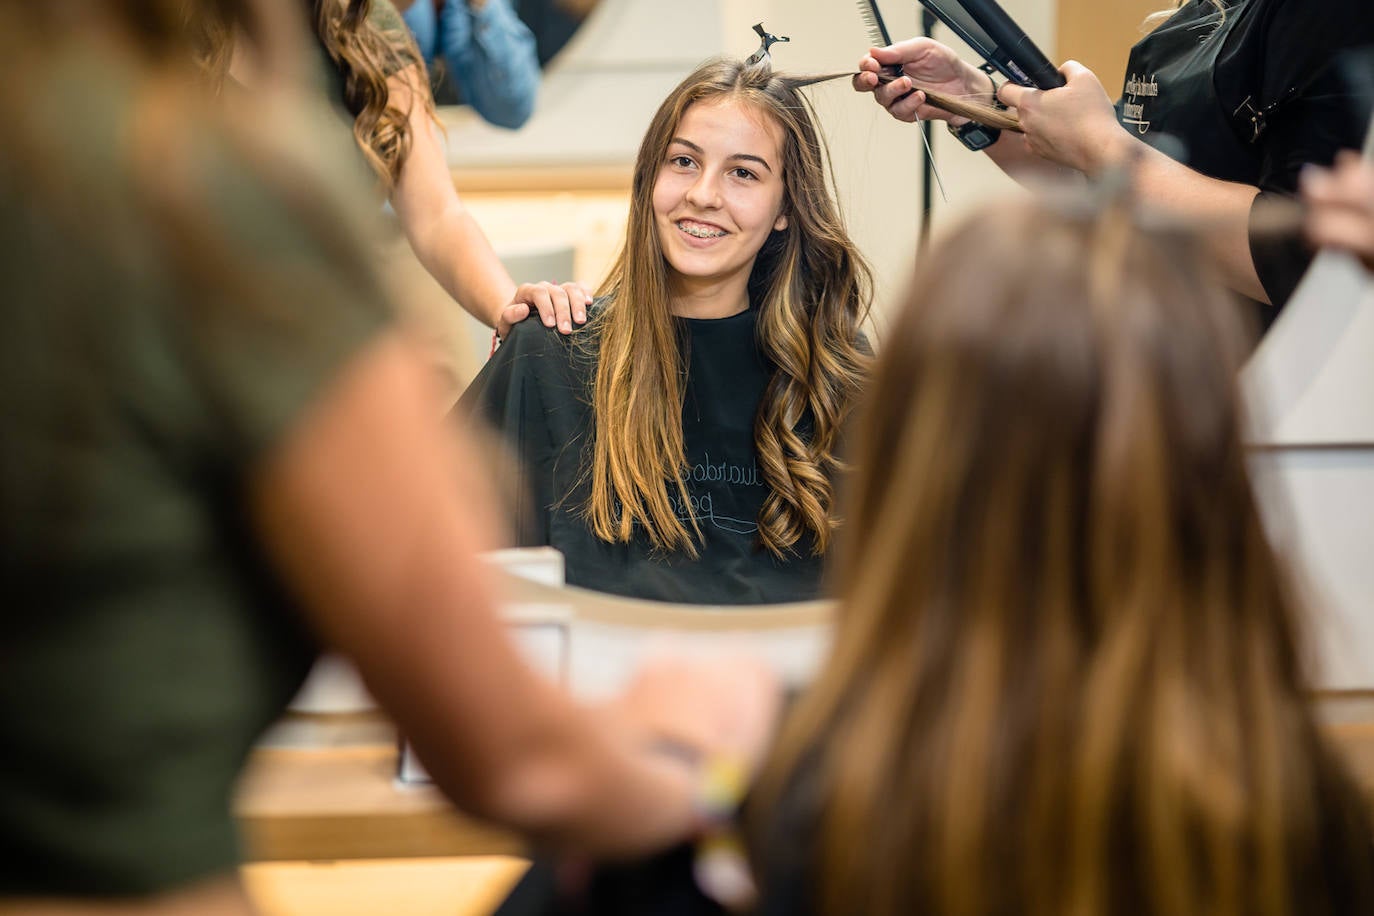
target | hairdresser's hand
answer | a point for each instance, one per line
(704, 708)
(925, 63)
(1074, 125)
(557, 304)
(1340, 206)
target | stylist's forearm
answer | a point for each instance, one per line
(1220, 210)
(1011, 156)
(457, 253)
(583, 785)
(441, 231)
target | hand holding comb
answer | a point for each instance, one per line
(879, 36)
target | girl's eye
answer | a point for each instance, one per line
(742, 172)
(682, 162)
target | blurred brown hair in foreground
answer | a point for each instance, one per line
(1067, 677)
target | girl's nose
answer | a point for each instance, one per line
(704, 192)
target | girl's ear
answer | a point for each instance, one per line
(780, 223)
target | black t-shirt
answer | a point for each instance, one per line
(536, 390)
(1251, 97)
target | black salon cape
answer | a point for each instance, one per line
(1254, 98)
(663, 885)
(536, 391)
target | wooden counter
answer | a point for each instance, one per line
(344, 803)
(470, 886)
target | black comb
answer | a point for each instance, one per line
(873, 22)
(879, 36)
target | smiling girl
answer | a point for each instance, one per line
(683, 446)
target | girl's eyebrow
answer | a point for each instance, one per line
(750, 157)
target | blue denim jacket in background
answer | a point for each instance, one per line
(489, 51)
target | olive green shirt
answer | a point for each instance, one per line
(175, 298)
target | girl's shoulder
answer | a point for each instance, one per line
(531, 338)
(598, 308)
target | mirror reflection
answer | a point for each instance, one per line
(676, 435)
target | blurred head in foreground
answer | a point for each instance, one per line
(1066, 677)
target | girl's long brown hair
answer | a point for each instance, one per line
(367, 56)
(812, 290)
(1065, 679)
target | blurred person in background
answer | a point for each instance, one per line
(1068, 673)
(489, 54)
(219, 453)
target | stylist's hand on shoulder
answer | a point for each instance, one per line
(557, 304)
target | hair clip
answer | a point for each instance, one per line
(767, 40)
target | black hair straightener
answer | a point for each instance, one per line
(987, 29)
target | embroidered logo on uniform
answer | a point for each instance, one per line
(1132, 108)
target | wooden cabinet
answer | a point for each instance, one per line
(1099, 34)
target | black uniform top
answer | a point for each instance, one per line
(536, 390)
(1251, 97)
